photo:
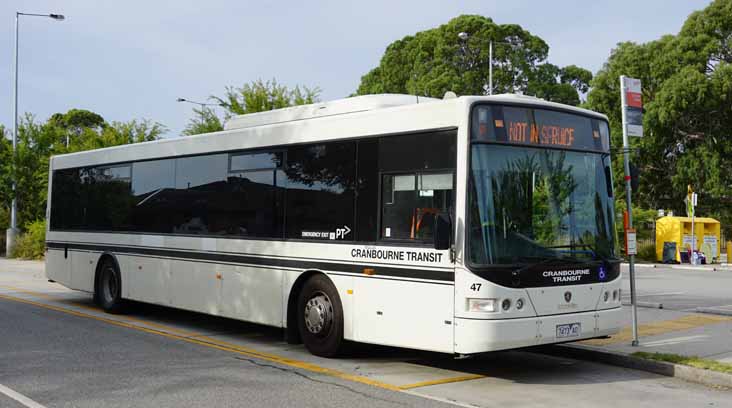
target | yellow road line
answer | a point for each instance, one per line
(219, 346)
(27, 292)
(441, 381)
(652, 329)
(140, 321)
(96, 309)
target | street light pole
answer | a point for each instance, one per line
(201, 104)
(12, 232)
(490, 68)
(463, 36)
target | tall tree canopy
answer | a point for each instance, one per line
(256, 96)
(687, 97)
(435, 61)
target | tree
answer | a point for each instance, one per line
(77, 120)
(6, 154)
(256, 96)
(687, 94)
(259, 96)
(81, 129)
(121, 133)
(435, 61)
(205, 121)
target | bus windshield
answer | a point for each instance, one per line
(529, 201)
(528, 204)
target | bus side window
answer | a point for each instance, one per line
(416, 174)
(399, 200)
(412, 201)
(320, 180)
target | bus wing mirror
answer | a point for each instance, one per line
(442, 231)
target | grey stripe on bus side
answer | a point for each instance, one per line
(378, 270)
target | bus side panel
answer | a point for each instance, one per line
(58, 266)
(83, 266)
(194, 286)
(252, 294)
(404, 314)
(147, 279)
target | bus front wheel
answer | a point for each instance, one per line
(320, 317)
(109, 287)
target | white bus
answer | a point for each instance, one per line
(462, 225)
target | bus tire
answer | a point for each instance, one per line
(109, 287)
(320, 317)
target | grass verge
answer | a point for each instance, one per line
(692, 361)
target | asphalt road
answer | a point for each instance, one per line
(61, 360)
(59, 350)
(682, 289)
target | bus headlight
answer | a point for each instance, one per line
(520, 304)
(482, 305)
(506, 304)
(606, 296)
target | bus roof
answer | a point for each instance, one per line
(532, 100)
(321, 109)
(371, 115)
(371, 102)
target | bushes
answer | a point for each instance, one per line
(646, 251)
(4, 223)
(31, 244)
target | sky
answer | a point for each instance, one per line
(132, 59)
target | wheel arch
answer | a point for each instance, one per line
(292, 334)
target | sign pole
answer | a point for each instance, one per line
(631, 258)
(693, 235)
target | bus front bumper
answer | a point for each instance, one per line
(479, 335)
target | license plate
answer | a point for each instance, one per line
(569, 330)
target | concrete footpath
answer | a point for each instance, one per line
(702, 335)
(706, 267)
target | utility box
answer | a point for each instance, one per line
(678, 230)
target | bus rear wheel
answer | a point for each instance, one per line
(109, 287)
(320, 317)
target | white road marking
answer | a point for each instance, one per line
(722, 310)
(20, 397)
(675, 340)
(440, 399)
(654, 294)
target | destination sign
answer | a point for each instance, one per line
(539, 127)
(523, 132)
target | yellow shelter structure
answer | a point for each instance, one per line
(678, 230)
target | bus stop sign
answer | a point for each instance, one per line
(633, 106)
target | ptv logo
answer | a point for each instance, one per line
(340, 233)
